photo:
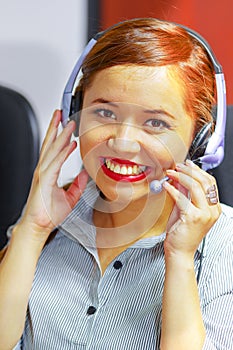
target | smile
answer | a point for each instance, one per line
(122, 170)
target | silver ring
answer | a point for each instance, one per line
(212, 195)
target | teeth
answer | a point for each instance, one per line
(130, 170)
(135, 170)
(125, 169)
(117, 169)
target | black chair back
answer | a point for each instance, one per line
(224, 172)
(19, 140)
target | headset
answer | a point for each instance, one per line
(207, 148)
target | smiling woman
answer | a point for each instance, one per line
(108, 263)
(140, 120)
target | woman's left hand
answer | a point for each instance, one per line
(194, 215)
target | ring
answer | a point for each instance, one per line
(211, 195)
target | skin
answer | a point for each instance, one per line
(119, 111)
(137, 97)
(134, 89)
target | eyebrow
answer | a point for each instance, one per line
(102, 100)
(147, 111)
(159, 111)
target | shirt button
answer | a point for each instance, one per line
(117, 265)
(91, 310)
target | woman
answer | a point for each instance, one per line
(120, 272)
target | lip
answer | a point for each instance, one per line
(120, 177)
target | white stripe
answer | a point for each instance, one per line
(128, 300)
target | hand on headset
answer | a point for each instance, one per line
(47, 204)
(193, 215)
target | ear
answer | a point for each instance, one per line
(199, 144)
(75, 107)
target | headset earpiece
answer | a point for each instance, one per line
(75, 107)
(199, 144)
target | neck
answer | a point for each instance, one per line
(121, 226)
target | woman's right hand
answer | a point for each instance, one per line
(48, 204)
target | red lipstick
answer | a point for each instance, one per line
(124, 170)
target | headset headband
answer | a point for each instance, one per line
(214, 152)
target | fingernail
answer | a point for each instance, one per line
(166, 184)
(67, 124)
(170, 171)
(189, 162)
(70, 124)
(56, 118)
(82, 179)
(180, 166)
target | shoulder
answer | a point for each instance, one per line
(227, 211)
(223, 228)
(218, 257)
(219, 242)
(221, 234)
(224, 224)
(217, 266)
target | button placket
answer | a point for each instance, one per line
(108, 280)
(94, 300)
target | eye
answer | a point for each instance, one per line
(105, 113)
(157, 124)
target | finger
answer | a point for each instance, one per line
(51, 173)
(197, 194)
(193, 187)
(76, 188)
(209, 186)
(182, 202)
(51, 133)
(180, 188)
(208, 183)
(200, 175)
(60, 143)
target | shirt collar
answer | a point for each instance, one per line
(79, 225)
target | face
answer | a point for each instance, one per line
(133, 127)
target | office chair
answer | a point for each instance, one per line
(19, 140)
(224, 172)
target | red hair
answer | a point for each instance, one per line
(152, 42)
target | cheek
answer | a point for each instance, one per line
(88, 144)
(87, 151)
(167, 150)
(93, 136)
(177, 149)
(92, 145)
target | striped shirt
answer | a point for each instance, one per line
(72, 306)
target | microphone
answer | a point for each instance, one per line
(156, 186)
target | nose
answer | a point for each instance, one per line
(125, 140)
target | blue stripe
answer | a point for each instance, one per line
(128, 300)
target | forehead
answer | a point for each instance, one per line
(134, 72)
(150, 87)
(129, 78)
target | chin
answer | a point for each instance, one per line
(124, 192)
